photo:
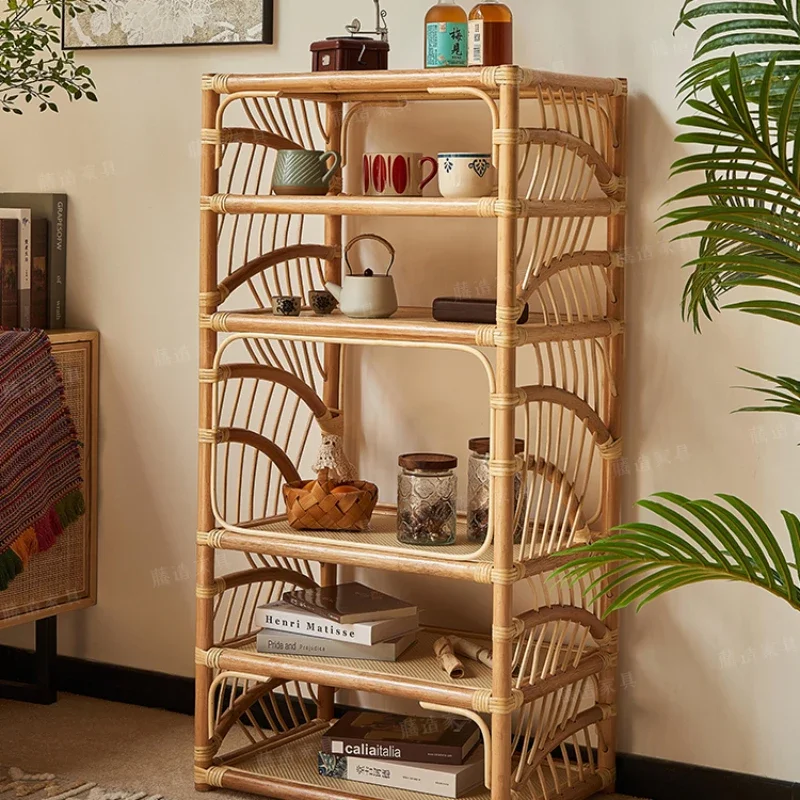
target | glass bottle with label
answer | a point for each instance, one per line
(446, 35)
(491, 35)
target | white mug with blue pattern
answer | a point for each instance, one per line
(466, 174)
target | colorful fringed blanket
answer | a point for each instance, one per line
(40, 468)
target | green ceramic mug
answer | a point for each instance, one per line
(302, 172)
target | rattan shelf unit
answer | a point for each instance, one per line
(272, 385)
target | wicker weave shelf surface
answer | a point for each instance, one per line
(409, 324)
(377, 547)
(296, 763)
(416, 675)
(281, 772)
(347, 205)
(343, 86)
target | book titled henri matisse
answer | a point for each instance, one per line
(284, 617)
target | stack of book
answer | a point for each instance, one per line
(33, 260)
(345, 621)
(430, 755)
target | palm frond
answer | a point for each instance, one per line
(783, 397)
(749, 226)
(695, 541)
(760, 31)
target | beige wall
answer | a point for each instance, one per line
(710, 673)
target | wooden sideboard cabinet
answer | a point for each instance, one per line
(65, 577)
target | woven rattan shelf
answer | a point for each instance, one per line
(376, 547)
(408, 206)
(290, 771)
(417, 675)
(272, 388)
(345, 87)
(408, 325)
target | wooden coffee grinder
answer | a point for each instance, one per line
(358, 51)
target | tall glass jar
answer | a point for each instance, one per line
(491, 35)
(427, 492)
(478, 490)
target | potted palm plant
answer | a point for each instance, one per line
(32, 65)
(743, 92)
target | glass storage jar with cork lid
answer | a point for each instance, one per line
(478, 490)
(427, 492)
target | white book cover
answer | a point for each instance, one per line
(295, 644)
(436, 779)
(24, 273)
(284, 617)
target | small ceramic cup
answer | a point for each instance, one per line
(466, 174)
(397, 174)
(322, 303)
(286, 306)
(301, 172)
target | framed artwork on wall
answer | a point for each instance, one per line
(165, 23)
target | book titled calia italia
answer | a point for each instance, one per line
(284, 617)
(442, 780)
(391, 737)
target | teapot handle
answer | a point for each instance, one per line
(377, 238)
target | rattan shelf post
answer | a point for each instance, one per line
(332, 390)
(502, 464)
(268, 384)
(617, 157)
(209, 181)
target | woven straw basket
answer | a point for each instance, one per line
(317, 509)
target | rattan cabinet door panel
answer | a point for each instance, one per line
(64, 578)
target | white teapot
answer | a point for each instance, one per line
(367, 296)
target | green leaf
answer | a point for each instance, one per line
(32, 65)
(750, 553)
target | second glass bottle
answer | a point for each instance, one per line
(491, 35)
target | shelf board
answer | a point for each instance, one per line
(439, 207)
(353, 86)
(416, 675)
(409, 324)
(294, 765)
(375, 548)
(290, 772)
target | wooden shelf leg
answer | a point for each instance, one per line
(504, 434)
(607, 752)
(331, 392)
(43, 690)
(208, 343)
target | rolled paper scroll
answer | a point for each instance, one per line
(471, 650)
(448, 648)
(443, 648)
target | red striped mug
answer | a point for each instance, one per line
(397, 174)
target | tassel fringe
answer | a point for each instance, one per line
(41, 537)
(10, 566)
(48, 529)
(71, 508)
